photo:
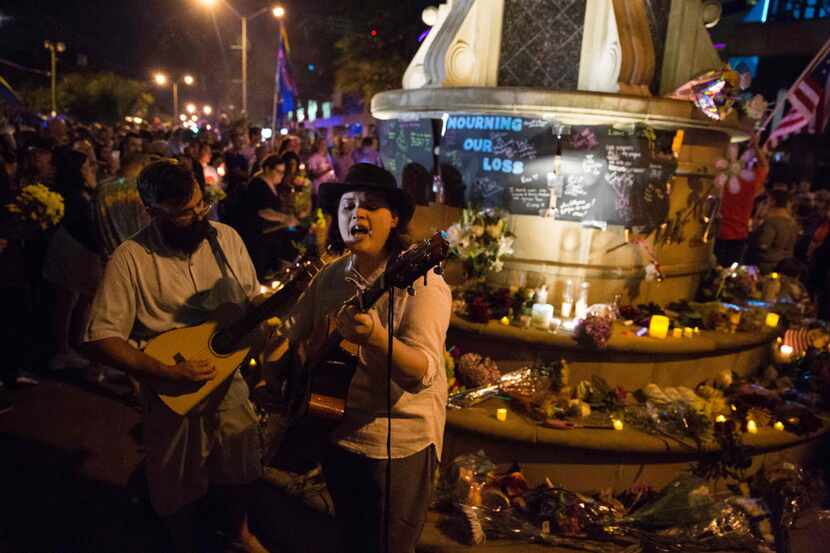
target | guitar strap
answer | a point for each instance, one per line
(219, 255)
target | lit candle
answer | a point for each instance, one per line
(501, 414)
(618, 424)
(697, 330)
(505, 321)
(276, 284)
(252, 362)
(263, 290)
(786, 352)
(677, 332)
(720, 418)
(751, 426)
(541, 315)
(778, 426)
(772, 319)
(688, 332)
(658, 326)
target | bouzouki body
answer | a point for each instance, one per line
(225, 339)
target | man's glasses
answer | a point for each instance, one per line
(187, 216)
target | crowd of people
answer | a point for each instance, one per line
(777, 226)
(265, 189)
(159, 228)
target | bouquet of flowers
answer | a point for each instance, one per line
(214, 194)
(35, 207)
(480, 240)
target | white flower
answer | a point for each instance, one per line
(497, 266)
(505, 246)
(454, 235)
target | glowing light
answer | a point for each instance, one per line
(252, 362)
(751, 426)
(208, 3)
(720, 418)
(505, 321)
(194, 118)
(160, 79)
(188, 80)
(278, 11)
(284, 132)
(207, 110)
(263, 290)
(190, 108)
(209, 127)
(182, 117)
(658, 326)
(618, 424)
(772, 319)
(501, 414)
(778, 426)
(786, 352)
(128, 119)
(221, 170)
(276, 284)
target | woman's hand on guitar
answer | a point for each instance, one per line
(361, 328)
(193, 370)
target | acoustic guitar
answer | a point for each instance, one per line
(319, 387)
(224, 339)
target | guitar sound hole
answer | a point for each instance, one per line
(223, 343)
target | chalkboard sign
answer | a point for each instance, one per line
(602, 175)
(404, 142)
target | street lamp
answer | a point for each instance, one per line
(161, 80)
(277, 11)
(54, 48)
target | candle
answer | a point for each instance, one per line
(778, 426)
(751, 426)
(786, 352)
(772, 319)
(505, 321)
(501, 414)
(720, 418)
(252, 362)
(677, 332)
(276, 284)
(688, 332)
(618, 424)
(263, 289)
(658, 326)
(541, 315)
(697, 330)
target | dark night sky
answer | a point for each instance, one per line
(135, 37)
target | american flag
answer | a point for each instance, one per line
(809, 100)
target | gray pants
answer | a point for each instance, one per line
(358, 487)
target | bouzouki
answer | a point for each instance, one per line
(225, 339)
(319, 387)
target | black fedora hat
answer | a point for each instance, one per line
(365, 176)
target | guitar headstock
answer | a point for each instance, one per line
(415, 262)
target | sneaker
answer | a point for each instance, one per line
(70, 360)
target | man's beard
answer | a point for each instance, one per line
(186, 239)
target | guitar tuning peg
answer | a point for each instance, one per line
(411, 291)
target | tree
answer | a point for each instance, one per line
(98, 97)
(366, 67)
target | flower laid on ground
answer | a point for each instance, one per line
(594, 331)
(36, 206)
(480, 240)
